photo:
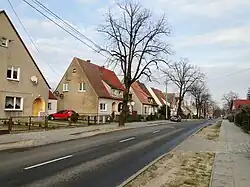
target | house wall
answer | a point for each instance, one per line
(53, 106)
(109, 104)
(82, 102)
(138, 105)
(16, 55)
(149, 109)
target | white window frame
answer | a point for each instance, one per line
(105, 107)
(14, 104)
(12, 74)
(81, 87)
(65, 87)
(49, 106)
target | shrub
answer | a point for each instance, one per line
(230, 118)
(74, 117)
(238, 118)
(135, 118)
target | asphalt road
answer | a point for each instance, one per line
(99, 161)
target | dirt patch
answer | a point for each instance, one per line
(211, 132)
(177, 169)
(183, 167)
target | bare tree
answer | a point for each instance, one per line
(135, 44)
(228, 97)
(183, 75)
(198, 90)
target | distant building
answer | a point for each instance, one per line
(248, 94)
(238, 103)
(145, 104)
(52, 104)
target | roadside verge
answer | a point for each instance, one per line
(182, 166)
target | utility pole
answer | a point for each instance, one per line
(166, 98)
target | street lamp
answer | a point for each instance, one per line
(166, 98)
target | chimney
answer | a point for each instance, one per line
(89, 61)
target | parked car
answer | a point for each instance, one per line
(175, 118)
(62, 115)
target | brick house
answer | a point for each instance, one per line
(23, 88)
(144, 102)
(89, 89)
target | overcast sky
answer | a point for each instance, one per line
(213, 34)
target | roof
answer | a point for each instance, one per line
(237, 103)
(97, 75)
(142, 93)
(52, 96)
(3, 12)
(159, 95)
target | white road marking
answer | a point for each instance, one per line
(128, 139)
(156, 131)
(48, 162)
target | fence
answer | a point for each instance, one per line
(22, 123)
(92, 119)
(31, 123)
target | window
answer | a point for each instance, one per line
(130, 97)
(49, 106)
(65, 87)
(13, 73)
(145, 108)
(13, 103)
(103, 107)
(82, 87)
(4, 42)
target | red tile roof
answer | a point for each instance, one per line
(142, 93)
(52, 96)
(159, 95)
(97, 75)
(239, 102)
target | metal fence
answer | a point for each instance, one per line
(22, 123)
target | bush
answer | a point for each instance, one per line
(136, 118)
(238, 118)
(230, 118)
(74, 117)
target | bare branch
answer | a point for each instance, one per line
(136, 42)
(184, 76)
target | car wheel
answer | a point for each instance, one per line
(68, 118)
(52, 118)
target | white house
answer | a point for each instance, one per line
(52, 103)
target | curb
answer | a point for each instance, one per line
(156, 160)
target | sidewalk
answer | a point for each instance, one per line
(30, 139)
(189, 164)
(232, 160)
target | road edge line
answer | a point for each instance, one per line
(128, 180)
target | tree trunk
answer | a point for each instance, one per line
(179, 105)
(123, 115)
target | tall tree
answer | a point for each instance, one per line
(228, 97)
(136, 44)
(183, 75)
(198, 90)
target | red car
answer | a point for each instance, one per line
(63, 115)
